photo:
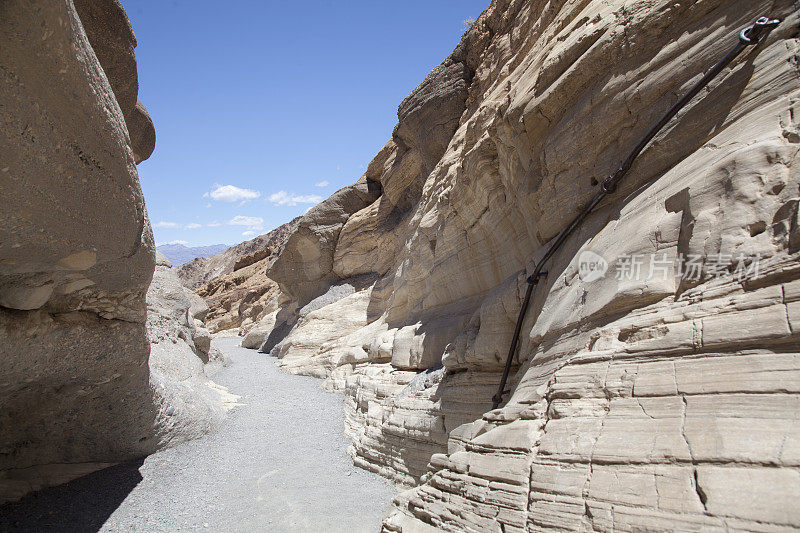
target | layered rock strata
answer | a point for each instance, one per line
(203, 270)
(663, 398)
(241, 298)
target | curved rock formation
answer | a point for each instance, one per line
(111, 36)
(191, 405)
(76, 253)
(658, 400)
(304, 268)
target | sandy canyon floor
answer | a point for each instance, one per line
(279, 463)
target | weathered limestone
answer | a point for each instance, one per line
(174, 316)
(257, 334)
(110, 34)
(191, 405)
(236, 287)
(651, 402)
(304, 268)
(241, 299)
(76, 255)
(74, 382)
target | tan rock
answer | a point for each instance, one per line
(111, 36)
(637, 403)
(77, 257)
(198, 308)
(256, 336)
(304, 269)
(75, 347)
(202, 270)
(178, 352)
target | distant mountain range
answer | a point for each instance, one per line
(179, 254)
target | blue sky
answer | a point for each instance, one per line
(264, 108)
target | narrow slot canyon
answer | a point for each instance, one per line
(485, 266)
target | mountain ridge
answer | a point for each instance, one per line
(203, 269)
(179, 254)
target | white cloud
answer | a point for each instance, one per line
(164, 224)
(285, 198)
(323, 183)
(250, 222)
(231, 193)
(214, 224)
(248, 233)
(193, 225)
(172, 242)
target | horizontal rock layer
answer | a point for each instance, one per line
(648, 402)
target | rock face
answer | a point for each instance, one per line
(110, 34)
(242, 296)
(657, 401)
(76, 250)
(202, 270)
(180, 346)
(304, 268)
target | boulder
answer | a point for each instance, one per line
(142, 132)
(198, 308)
(202, 341)
(256, 336)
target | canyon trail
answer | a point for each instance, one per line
(278, 463)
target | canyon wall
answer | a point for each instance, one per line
(239, 294)
(77, 256)
(662, 396)
(201, 271)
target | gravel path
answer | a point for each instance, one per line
(277, 464)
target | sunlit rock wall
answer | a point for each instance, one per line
(653, 400)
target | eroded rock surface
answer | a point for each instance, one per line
(304, 268)
(181, 358)
(244, 299)
(241, 298)
(637, 403)
(111, 36)
(76, 253)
